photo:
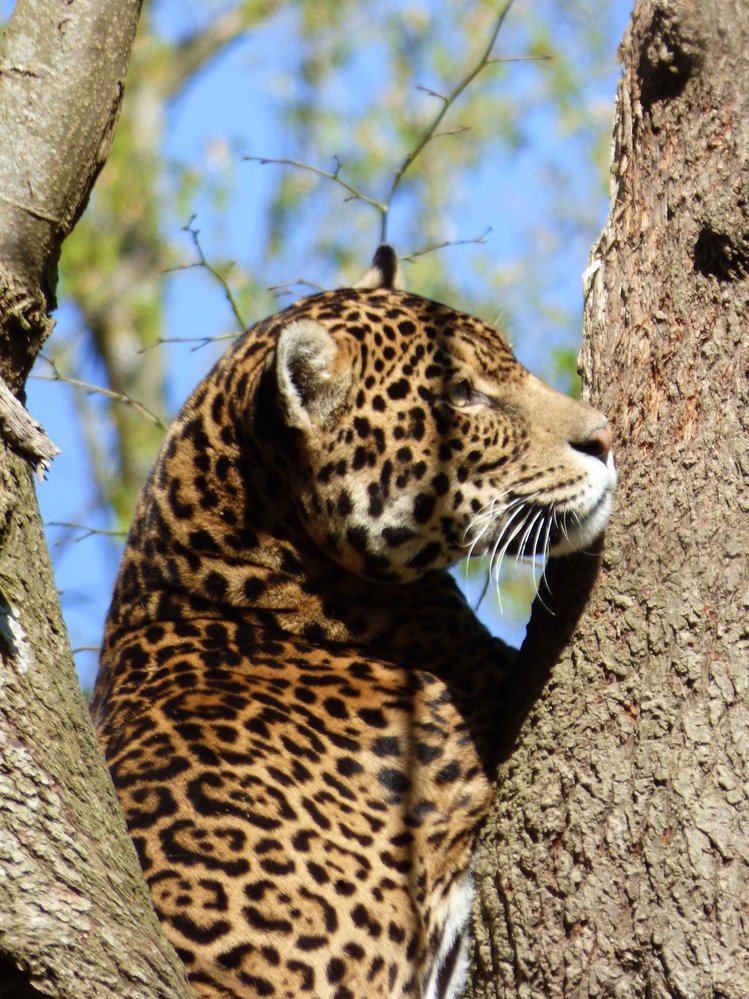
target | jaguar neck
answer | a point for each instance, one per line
(288, 589)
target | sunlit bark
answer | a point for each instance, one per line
(616, 862)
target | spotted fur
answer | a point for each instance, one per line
(296, 703)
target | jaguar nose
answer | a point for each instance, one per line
(597, 444)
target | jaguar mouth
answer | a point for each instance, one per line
(575, 532)
(524, 529)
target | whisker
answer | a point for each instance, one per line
(490, 573)
(538, 555)
(485, 517)
(505, 540)
(487, 514)
(547, 545)
(526, 534)
(526, 527)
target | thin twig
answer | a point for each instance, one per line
(451, 131)
(431, 93)
(97, 390)
(481, 240)
(355, 195)
(88, 531)
(285, 287)
(447, 102)
(523, 58)
(203, 262)
(199, 341)
(431, 132)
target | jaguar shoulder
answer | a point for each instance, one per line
(295, 701)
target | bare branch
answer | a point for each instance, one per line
(523, 58)
(285, 287)
(203, 262)
(98, 390)
(451, 131)
(431, 93)
(199, 341)
(432, 131)
(198, 49)
(447, 103)
(481, 240)
(88, 532)
(355, 195)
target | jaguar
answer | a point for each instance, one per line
(296, 702)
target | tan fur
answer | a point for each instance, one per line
(295, 700)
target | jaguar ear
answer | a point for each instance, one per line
(313, 378)
(385, 271)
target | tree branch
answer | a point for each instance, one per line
(355, 194)
(430, 133)
(75, 103)
(199, 48)
(75, 914)
(22, 432)
(448, 100)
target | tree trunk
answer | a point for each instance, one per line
(75, 916)
(616, 862)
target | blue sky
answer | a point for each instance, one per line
(211, 117)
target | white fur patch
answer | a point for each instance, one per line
(593, 506)
(454, 912)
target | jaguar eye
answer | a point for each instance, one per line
(461, 394)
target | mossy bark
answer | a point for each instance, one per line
(75, 915)
(616, 860)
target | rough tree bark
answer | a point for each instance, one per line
(617, 859)
(75, 916)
